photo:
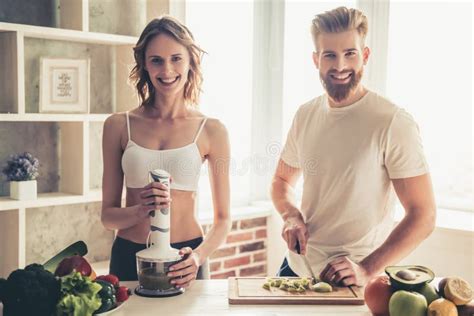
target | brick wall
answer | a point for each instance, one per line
(245, 251)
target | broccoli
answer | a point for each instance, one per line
(32, 291)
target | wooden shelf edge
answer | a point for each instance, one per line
(97, 117)
(50, 199)
(45, 117)
(53, 33)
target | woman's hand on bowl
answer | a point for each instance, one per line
(184, 272)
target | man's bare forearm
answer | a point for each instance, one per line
(284, 198)
(406, 236)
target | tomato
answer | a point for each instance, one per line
(377, 295)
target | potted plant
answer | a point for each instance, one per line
(22, 170)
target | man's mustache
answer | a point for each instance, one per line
(335, 72)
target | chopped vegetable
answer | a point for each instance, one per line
(322, 287)
(296, 285)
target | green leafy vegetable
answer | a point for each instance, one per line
(79, 296)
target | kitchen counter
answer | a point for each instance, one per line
(209, 297)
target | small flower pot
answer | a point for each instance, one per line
(23, 190)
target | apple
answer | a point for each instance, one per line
(404, 303)
(77, 263)
(377, 295)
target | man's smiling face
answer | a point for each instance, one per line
(340, 59)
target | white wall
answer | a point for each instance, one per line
(276, 247)
(447, 252)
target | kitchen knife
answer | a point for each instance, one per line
(306, 262)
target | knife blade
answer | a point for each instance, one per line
(306, 262)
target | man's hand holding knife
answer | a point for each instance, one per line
(294, 230)
(296, 236)
(341, 270)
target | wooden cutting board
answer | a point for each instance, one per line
(250, 291)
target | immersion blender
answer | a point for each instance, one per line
(153, 262)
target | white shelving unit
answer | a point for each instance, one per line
(37, 117)
(74, 143)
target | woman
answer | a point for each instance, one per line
(167, 132)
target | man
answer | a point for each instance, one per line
(352, 146)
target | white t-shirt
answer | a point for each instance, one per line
(348, 156)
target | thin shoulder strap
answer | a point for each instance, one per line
(128, 125)
(200, 129)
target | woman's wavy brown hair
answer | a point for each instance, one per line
(139, 76)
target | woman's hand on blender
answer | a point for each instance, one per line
(185, 271)
(153, 195)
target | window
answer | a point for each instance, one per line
(429, 74)
(225, 31)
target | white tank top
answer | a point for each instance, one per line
(183, 163)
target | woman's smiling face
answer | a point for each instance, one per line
(167, 63)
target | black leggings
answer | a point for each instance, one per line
(123, 261)
(285, 270)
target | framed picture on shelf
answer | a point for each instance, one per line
(64, 85)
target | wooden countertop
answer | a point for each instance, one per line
(209, 297)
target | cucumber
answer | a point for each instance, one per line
(77, 248)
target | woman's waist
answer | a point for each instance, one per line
(180, 230)
(124, 242)
(185, 200)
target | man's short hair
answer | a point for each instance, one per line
(340, 20)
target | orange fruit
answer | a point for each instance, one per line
(458, 291)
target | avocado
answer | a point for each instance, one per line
(409, 277)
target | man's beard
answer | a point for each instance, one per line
(339, 92)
